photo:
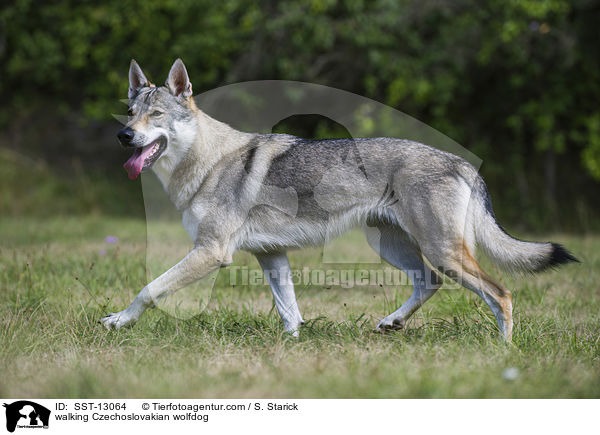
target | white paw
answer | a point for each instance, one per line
(388, 324)
(294, 333)
(119, 320)
(294, 328)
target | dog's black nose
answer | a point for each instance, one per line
(126, 136)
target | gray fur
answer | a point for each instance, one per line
(267, 193)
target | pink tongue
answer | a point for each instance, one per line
(134, 165)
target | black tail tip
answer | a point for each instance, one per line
(560, 256)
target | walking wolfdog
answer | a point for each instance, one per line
(266, 193)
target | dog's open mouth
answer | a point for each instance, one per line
(144, 157)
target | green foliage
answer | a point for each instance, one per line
(591, 154)
(79, 51)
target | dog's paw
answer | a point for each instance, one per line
(293, 329)
(118, 320)
(293, 333)
(388, 325)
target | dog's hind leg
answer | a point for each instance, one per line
(498, 298)
(462, 267)
(277, 269)
(396, 248)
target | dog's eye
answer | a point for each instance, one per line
(130, 112)
(156, 113)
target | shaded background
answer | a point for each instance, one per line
(515, 82)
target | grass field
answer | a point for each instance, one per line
(59, 276)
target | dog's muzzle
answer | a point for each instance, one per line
(125, 136)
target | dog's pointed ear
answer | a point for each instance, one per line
(178, 81)
(137, 79)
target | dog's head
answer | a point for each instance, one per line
(162, 120)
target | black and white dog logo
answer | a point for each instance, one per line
(26, 414)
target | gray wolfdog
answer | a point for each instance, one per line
(266, 193)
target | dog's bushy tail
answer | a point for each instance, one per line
(505, 251)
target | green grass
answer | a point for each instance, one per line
(55, 285)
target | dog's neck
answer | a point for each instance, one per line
(210, 141)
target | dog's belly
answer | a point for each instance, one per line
(292, 236)
(270, 230)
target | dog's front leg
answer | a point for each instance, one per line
(277, 268)
(195, 265)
